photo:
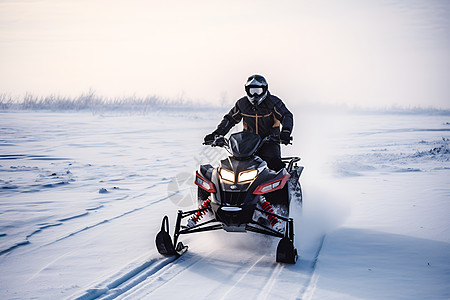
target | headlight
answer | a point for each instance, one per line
(226, 175)
(247, 175)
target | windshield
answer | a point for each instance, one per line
(244, 144)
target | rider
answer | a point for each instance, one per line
(261, 113)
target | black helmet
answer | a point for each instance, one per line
(256, 89)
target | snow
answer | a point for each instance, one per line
(82, 197)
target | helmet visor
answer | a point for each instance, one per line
(255, 91)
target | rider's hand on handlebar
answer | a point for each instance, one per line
(219, 141)
(209, 138)
(214, 140)
(285, 137)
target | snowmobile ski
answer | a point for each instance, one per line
(164, 242)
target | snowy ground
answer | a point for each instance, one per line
(82, 197)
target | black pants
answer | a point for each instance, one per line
(271, 153)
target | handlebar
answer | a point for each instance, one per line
(275, 139)
(221, 141)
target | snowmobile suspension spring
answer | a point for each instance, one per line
(199, 214)
(266, 206)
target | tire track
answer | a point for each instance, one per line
(60, 222)
(144, 274)
(187, 263)
(242, 277)
(125, 280)
(148, 277)
(308, 290)
(156, 280)
(106, 221)
(266, 291)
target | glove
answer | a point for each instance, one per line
(220, 141)
(285, 137)
(209, 138)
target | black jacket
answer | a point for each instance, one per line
(263, 119)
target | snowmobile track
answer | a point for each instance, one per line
(144, 277)
(60, 222)
(265, 292)
(105, 221)
(242, 277)
(125, 280)
(132, 276)
(161, 277)
(308, 290)
(171, 272)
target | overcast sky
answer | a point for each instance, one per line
(359, 52)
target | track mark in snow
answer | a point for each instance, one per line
(145, 277)
(114, 287)
(269, 284)
(242, 277)
(48, 265)
(107, 220)
(308, 290)
(148, 279)
(311, 287)
(60, 222)
(165, 275)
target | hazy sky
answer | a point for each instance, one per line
(364, 52)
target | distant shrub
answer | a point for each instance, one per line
(93, 103)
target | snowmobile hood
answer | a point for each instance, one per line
(244, 144)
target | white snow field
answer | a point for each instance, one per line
(82, 196)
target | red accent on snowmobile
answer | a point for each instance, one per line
(202, 210)
(267, 207)
(211, 189)
(260, 190)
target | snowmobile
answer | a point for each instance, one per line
(235, 195)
